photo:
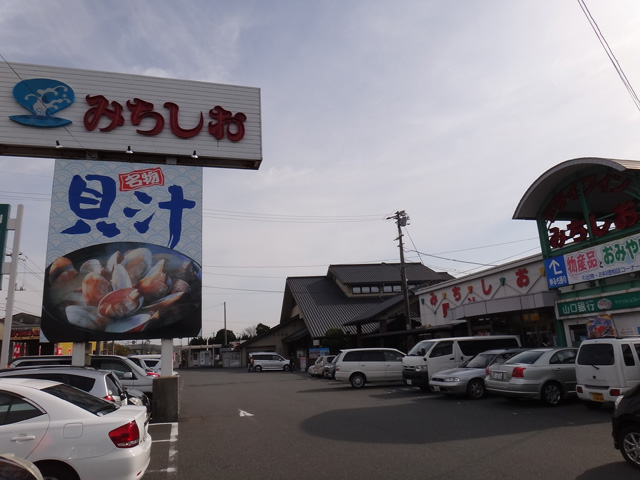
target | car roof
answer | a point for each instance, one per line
(369, 348)
(34, 383)
(70, 369)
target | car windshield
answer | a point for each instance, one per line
(87, 402)
(529, 357)
(480, 361)
(421, 348)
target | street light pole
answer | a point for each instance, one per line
(402, 219)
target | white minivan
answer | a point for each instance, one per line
(606, 368)
(429, 357)
(359, 366)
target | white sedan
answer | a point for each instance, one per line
(70, 434)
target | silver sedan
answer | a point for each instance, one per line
(546, 374)
(468, 378)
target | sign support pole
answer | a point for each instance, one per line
(16, 225)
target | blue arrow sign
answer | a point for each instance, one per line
(556, 269)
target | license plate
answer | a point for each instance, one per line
(597, 397)
(408, 382)
(435, 388)
(498, 375)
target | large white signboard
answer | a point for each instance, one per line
(124, 252)
(69, 113)
(601, 261)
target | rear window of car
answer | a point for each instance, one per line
(480, 361)
(113, 385)
(596, 354)
(83, 383)
(81, 399)
(524, 357)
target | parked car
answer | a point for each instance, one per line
(330, 369)
(148, 362)
(606, 368)
(129, 374)
(546, 374)
(317, 368)
(428, 357)
(14, 468)
(359, 366)
(99, 383)
(626, 425)
(468, 378)
(68, 433)
(270, 361)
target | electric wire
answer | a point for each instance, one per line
(610, 54)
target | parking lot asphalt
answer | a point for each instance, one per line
(274, 425)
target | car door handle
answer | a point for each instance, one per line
(23, 438)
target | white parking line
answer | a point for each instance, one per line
(172, 462)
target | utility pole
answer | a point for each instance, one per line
(225, 324)
(402, 220)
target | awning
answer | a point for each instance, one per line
(303, 332)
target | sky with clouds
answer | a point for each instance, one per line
(447, 110)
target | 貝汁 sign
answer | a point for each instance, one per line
(124, 252)
(610, 259)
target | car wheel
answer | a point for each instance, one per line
(357, 380)
(257, 368)
(475, 389)
(630, 445)
(551, 394)
(56, 471)
(286, 368)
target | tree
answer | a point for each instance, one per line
(261, 328)
(122, 350)
(254, 331)
(248, 333)
(220, 337)
(335, 339)
(197, 341)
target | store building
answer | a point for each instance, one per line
(512, 299)
(587, 213)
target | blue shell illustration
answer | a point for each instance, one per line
(43, 97)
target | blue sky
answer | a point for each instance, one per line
(448, 110)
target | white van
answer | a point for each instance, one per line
(359, 366)
(606, 368)
(428, 357)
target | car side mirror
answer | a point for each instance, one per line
(127, 375)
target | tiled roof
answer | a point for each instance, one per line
(324, 305)
(377, 273)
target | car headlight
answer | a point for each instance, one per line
(451, 379)
(421, 368)
(135, 401)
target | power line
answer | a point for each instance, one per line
(610, 53)
(288, 218)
